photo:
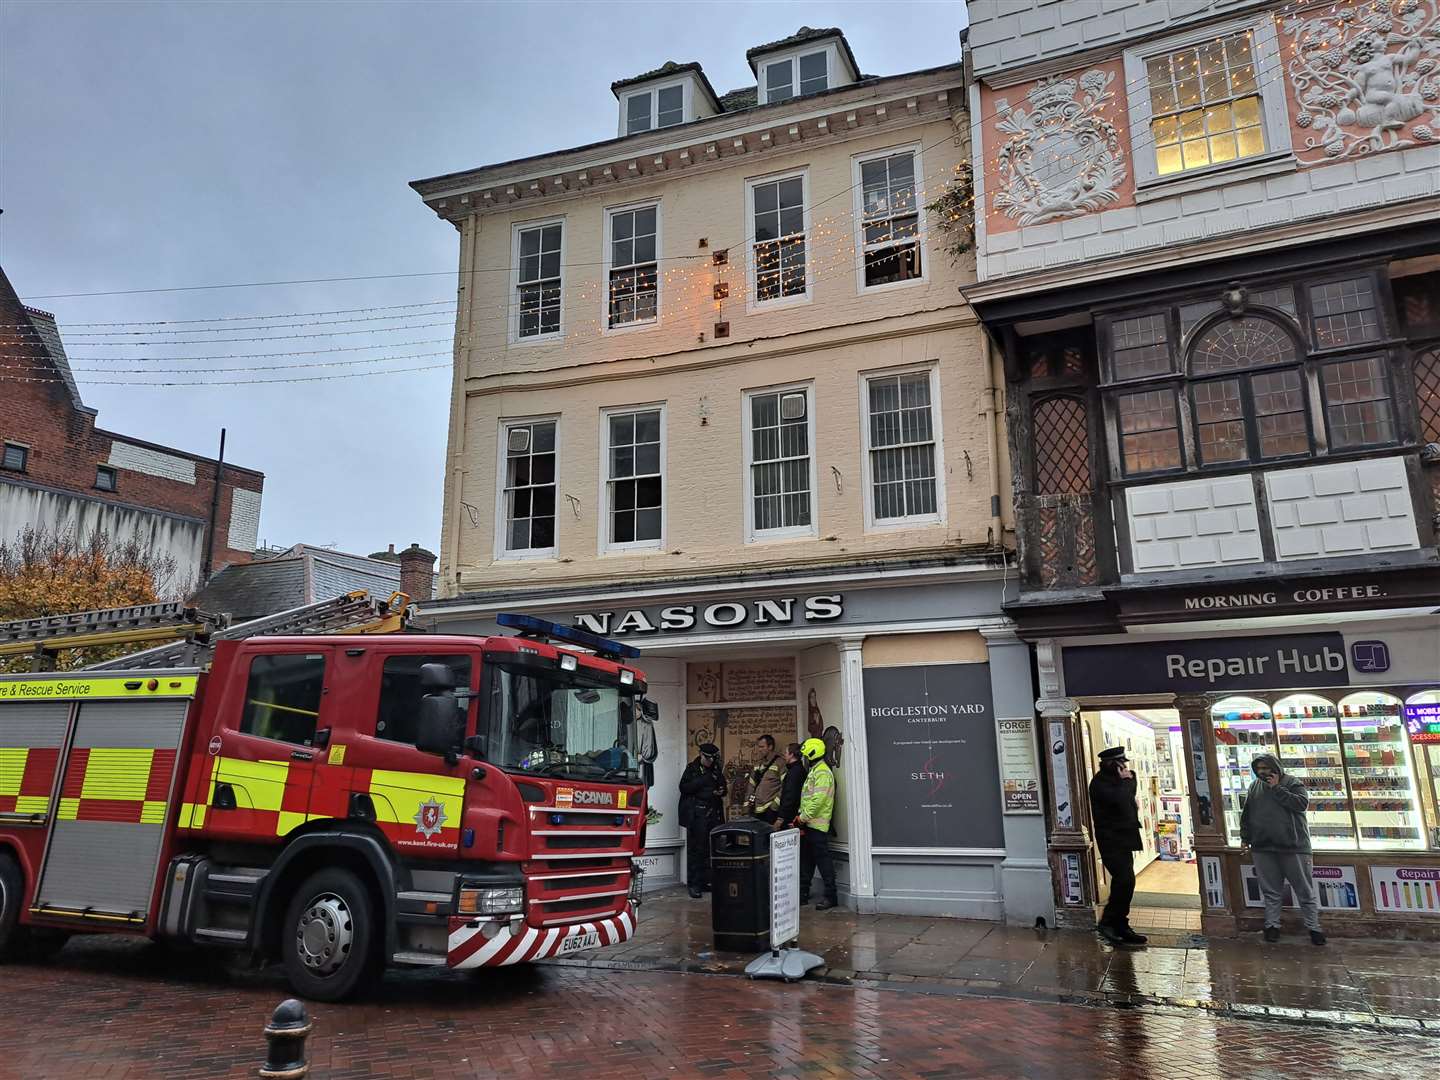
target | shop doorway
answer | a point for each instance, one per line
(1167, 887)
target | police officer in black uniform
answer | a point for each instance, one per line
(702, 807)
(1115, 815)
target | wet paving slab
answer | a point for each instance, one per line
(1393, 986)
(115, 1008)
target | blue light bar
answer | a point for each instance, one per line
(543, 628)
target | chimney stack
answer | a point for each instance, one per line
(417, 573)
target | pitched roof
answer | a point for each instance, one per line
(303, 574)
(670, 67)
(34, 333)
(747, 97)
(48, 334)
(248, 591)
(800, 37)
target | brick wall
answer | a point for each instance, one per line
(65, 447)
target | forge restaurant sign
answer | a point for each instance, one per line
(934, 781)
(1212, 665)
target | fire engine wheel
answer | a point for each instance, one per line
(12, 887)
(328, 943)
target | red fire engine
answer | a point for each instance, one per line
(338, 802)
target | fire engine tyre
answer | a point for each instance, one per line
(12, 889)
(328, 937)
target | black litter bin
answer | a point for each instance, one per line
(740, 886)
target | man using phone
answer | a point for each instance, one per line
(1115, 816)
(1273, 827)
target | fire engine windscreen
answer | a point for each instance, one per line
(561, 723)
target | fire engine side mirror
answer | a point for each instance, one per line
(442, 724)
(436, 677)
(649, 711)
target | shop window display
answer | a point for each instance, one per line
(1309, 748)
(1243, 729)
(1352, 754)
(1377, 761)
(1422, 724)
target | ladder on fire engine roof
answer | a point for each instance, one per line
(353, 613)
(186, 633)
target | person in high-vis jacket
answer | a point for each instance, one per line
(766, 780)
(817, 807)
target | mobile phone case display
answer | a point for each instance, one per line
(1309, 749)
(1422, 723)
(1377, 760)
(1172, 828)
(1243, 730)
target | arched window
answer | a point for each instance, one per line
(1281, 371)
(1245, 342)
(1248, 391)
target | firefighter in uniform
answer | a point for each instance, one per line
(702, 807)
(817, 807)
(766, 780)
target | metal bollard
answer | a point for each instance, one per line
(286, 1033)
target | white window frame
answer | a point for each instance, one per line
(632, 546)
(859, 210)
(941, 471)
(792, 57)
(648, 324)
(502, 520)
(1275, 120)
(752, 534)
(752, 304)
(515, 230)
(687, 108)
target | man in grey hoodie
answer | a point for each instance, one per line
(1274, 828)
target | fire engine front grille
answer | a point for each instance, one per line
(560, 907)
(587, 864)
(566, 884)
(581, 842)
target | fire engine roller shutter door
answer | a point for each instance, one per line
(31, 734)
(110, 823)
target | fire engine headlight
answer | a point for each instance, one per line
(627, 677)
(475, 900)
(568, 662)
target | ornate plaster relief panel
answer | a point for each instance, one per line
(1362, 78)
(1056, 148)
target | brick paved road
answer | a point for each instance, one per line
(109, 1010)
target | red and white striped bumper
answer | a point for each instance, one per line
(470, 947)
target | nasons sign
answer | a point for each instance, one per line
(720, 615)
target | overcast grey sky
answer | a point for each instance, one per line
(148, 146)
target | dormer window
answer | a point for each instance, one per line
(810, 72)
(660, 107)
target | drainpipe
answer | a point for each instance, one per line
(209, 558)
(989, 409)
(459, 407)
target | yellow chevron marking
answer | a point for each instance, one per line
(12, 768)
(117, 773)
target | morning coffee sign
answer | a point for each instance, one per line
(1216, 665)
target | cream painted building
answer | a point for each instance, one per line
(718, 393)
